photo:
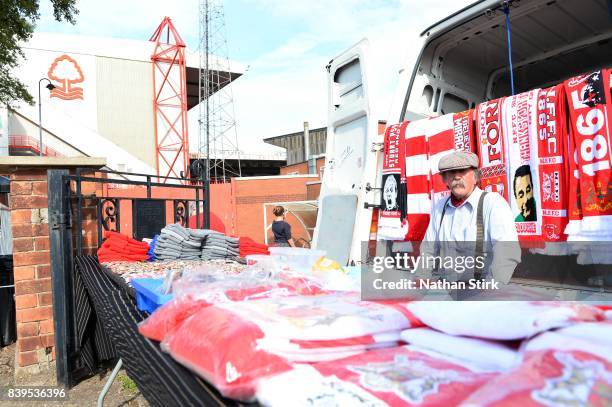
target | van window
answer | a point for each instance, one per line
(348, 85)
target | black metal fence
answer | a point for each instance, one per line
(72, 212)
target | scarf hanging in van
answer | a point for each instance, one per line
(553, 165)
(520, 133)
(589, 102)
(417, 180)
(590, 113)
(392, 224)
(448, 133)
(491, 147)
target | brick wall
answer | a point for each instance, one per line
(31, 261)
(250, 196)
(299, 168)
(313, 190)
(302, 168)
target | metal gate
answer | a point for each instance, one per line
(83, 198)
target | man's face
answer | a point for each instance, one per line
(523, 192)
(461, 183)
(390, 193)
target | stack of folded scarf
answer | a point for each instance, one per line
(118, 247)
(249, 246)
(219, 246)
(176, 242)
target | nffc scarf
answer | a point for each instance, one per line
(448, 133)
(553, 165)
(491, 147)
(392, 224)
(590, 113)
(520, 131)
(417, 180)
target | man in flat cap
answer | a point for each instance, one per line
(471, 217)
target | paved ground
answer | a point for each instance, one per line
(123, 392)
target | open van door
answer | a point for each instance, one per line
(343, 222)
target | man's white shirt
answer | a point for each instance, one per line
(459, 225)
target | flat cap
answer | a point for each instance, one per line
(458, 160)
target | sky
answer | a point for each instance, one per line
(284, 46)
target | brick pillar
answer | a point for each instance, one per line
(31, 261)
(89, 231)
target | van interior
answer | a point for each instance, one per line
(465, 60)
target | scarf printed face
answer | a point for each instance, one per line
(590, 111)
(519, 128)
(392, 223)
(392, 171)
(491, 147)
(552, 162)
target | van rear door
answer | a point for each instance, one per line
(343, 223)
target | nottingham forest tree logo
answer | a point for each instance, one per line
(574, 387)
(65, 72)
(410, 380)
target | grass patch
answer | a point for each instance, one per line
(127, 384)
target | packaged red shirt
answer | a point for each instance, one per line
(558, 370)
(392, 376)
(223, 348)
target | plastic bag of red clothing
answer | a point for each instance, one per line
(324, 327)
(558, 370)
(169, 316)
(232, 344)
(223, 348)
(197, 290)
(332, 317)
(393, 376)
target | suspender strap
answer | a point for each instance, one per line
(443, 212)
(437, 243)
(479, 233)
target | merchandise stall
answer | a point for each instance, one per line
(200, 317)
(294, 329)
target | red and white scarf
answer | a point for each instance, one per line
(553, 166)
(448, 133)
(491, 147)
(392, 224)
(417, 180)
(520, 133)
(590, 111)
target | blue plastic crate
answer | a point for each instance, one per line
(148, 298)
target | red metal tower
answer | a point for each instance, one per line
(170, 101)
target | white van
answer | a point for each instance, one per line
(463, 61)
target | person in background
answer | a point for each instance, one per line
(281, 229)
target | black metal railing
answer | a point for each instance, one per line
(70, 210)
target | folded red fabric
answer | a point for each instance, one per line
(111, 234)
(123, 246)
(107, 250)
(118, 247)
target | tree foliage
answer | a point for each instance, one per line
(17, 22)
